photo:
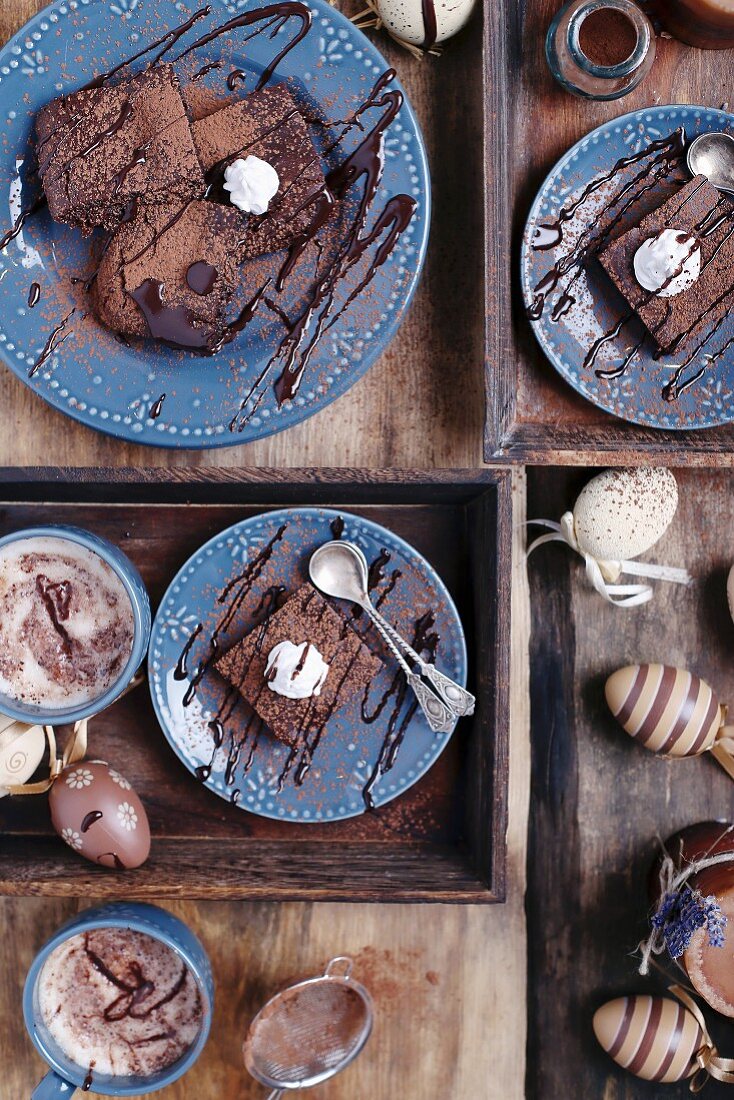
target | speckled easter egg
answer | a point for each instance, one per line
(655, 1038)
(96, 811)
(424, 23)
(622, 513)
(668, 710)
(21, 751)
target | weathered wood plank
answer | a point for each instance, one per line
(598, 799)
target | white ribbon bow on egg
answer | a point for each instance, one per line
(604, 574)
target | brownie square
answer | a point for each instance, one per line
(701, 211)
(101, 147)
(191, 252)
(265, 124)
(304, 617)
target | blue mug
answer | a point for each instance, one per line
(133, 584)
(67, 1076)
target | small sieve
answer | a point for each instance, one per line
(310, 1031)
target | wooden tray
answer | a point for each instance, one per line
(598, 800)
(532, 414)
(443, 841)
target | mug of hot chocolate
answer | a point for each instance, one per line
(118, 1001)
(74, 624)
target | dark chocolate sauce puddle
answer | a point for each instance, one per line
(177, 326)
(201, 277)
(157, 407)
(34, 295)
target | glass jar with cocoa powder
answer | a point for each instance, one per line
(600, 49)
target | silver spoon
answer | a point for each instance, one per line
(712, 155)
(340, 569)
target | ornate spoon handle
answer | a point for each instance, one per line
(439, 717)
(456, 698)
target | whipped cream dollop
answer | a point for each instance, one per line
(251, 183)
(296, 671)
(669, 263)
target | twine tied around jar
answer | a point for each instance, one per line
(603, 575)
(681, 911)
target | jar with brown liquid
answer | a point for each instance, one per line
(705, 23)
(709, 968)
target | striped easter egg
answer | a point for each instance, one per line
(655, 1038)
(668, 710)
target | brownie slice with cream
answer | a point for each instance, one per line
(684, 252)
(100, 148)
(300, 666)
(266, 124)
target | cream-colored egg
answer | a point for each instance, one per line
(655, 1038)
(621, 514)
(21, 751)
(424, 23)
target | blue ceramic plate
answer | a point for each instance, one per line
(96, 379)
(635, 394)
(248, 772)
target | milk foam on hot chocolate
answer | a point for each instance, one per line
(66, 623)
(119, 1001)
(296, 671)
(669, 263)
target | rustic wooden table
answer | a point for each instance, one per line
(449, 982)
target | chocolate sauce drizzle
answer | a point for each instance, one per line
(136, 998)
(669, 151)
(275, 15)
(232, 596)
(34, 295)
(89, 820)
(25, 214)
(54, 342)
(365, 162)
(430, 24)
(425, 641)
(89, 1079)
(157, 407)
(56, 598)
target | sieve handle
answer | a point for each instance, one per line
(275, 1094)
(341, 967)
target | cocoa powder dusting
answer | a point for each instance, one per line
(607, 37)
